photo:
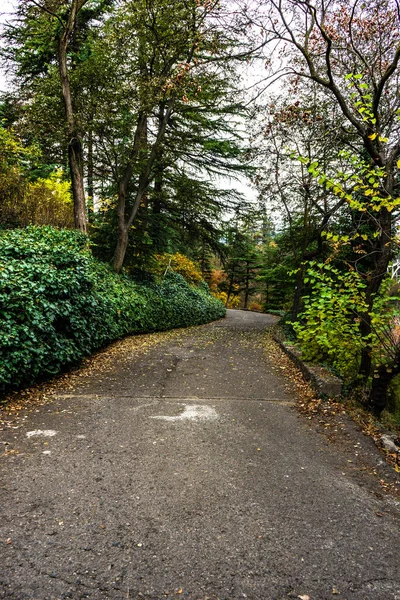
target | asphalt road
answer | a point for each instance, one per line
(186, 472)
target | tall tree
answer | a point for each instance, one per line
(303, 122)
(173, 45)
(244, 248)
(165, 99)
(48, 33)
(330, 40)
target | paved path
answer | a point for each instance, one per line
(186, 472)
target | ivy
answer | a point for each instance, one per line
(58, 304)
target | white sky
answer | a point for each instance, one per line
(6, 9)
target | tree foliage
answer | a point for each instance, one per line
(341, 69)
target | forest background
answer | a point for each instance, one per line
(124, 117)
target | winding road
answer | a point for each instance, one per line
(185, 471)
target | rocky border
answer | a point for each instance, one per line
(322, 380)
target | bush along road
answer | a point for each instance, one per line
(178, 467)
(58, 304)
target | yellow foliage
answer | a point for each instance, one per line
(178, 263)
(255, 306)
(222, 296)
(12, 176)
(48, 202)
(219, 278)
(234, 301)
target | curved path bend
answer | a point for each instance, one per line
(184, 471)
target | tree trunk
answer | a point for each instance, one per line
(384, 251)
(158, 185)
(230, 289)
(156, 205)
(143, 207)
(75, 156)
(75, 148)
(366, 352)
(298, 292)
(90, 175)
(247, 283)
(379, 390)
(120, 251)
(145, 176)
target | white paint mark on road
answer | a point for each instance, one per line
(136, 408)
(193, 412)
(41, 432)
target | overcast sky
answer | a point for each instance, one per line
(6, 9)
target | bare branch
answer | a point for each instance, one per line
(45, 9)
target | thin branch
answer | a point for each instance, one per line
(45, 9)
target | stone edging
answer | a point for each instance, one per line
(323, 382)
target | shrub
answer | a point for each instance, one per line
(273, 311)
(256, 306)
(58, 304)
(329, 330)
(178, 263)
(234, 301)
(48, 201)
(219, 286)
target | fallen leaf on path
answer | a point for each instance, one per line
(305, 597)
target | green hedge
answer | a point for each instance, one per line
(58, 304)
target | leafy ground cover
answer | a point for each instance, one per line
(327, 412)
(58, 304)
(341, 422)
